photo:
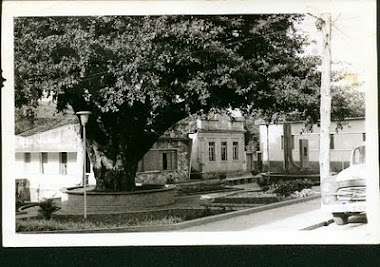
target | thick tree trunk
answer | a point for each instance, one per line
(288, 155)
(115, 148)
(114, 179)
(113, 174)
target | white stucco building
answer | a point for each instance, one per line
(218, 147)
(50, 160)
(342, 141)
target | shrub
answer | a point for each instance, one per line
(288, 187)
(19, 201)
(18, 204)
(304, 193)
(263, 182)
(222, 176)
(47, 208)
(170, 179)
(255, 172)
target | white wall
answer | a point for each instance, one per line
(200, 157)
(65, 138)
(53, 142)
(344, 140)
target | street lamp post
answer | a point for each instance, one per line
(83, 116)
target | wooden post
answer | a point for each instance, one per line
(287, 138)
(268, 177)
(325, 108)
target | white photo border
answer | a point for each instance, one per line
(366, 10)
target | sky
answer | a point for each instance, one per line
(348, 37)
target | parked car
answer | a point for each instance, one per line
(344, 194)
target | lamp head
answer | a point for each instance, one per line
(83, 116)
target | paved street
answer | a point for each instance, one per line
(292, 217)
(288, 218)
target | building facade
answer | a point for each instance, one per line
(50, 160)
(167, 161)
(218, 147)
(342, 141)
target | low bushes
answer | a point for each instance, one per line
(287, 187)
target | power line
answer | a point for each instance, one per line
(343, 36)
(336, 18)
(348, 18)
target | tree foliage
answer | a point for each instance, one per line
(139, 75)
(347, 98)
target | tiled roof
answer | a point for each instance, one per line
(46, 118)
(46, 124)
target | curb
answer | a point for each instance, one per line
(186, 224)
(318, 225)
(230, 189)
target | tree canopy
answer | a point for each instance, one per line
(139, 75)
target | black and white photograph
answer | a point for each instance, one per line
(189, 123)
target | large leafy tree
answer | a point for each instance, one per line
(139, 75)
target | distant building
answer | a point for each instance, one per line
(50, 159)
(168, 161)
(342, 141)
(196, 148)
(218, 147)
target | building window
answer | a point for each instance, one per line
(169, 160)
(63, 163)
(224, 151)
(28, 157)
(292, 144)
(282, 142)
(332, 145)
(211, 151)
(44, 161)
(27, 160)
(364, 137)
(165, 161)
(235, 150)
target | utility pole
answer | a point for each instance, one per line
(324, 25)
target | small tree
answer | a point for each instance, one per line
(47, 207)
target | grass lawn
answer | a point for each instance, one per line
(38, 225)
(120, 220)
